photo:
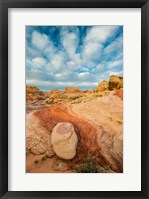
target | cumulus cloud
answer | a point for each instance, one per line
(91, 52)
(39, 40)
(100, 33)
(94, 43)
(69, 41)
(38, 62)
(114, 63)
(115, 46)
(99, 68)
(61, 56)
(49, 51)
(36, 75)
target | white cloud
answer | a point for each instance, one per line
(77, 59)
(91, 52)
(93, 43)
(38, 62)
(66, 76)
(71, 65)
(69, 41)
(100, 33)
(118, 73)
(86, 77)
(98, 68)
(116, 45)
(59, 84)
(75, 63)
(72, 60)
(115, 63)
(84, 74)
(49, 51)
(35, 74)
(32, 52)
(40, 40)
(56, 63)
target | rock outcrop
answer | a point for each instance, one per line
(115, 82)
(37, 138)
(32, 90)
(35, 99)
(74, 89)
(64, 140)
(33, 93)
(63, 97)
(102, 86)
(99, 127)
(91, 90)
(67, 125)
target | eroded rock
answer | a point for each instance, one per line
(115, 82)
(37, 137)
(64, 140)
(102, 86)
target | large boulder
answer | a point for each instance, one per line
(102, 86)
(115, 82)
(64, 140)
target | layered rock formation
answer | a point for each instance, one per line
(35, 99)
(63, 97)
(98, 125)
(72, 124)
(33, 93)
(38, 140)
(102, 86)
(114, 83)
(74, 89)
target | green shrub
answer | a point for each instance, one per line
(91, 165)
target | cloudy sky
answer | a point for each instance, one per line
(72, 56)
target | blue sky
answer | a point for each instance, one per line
(72, 56)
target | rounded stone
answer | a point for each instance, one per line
(64, 140)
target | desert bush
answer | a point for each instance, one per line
(43, 158)
(91, 165)
(36, 161)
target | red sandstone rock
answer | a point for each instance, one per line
(97, 120)
(119, 93)
(92, 138)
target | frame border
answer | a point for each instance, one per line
(4, 6)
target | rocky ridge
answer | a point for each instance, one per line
(91, 122)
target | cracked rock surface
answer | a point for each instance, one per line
(71, 131)
(37, 138)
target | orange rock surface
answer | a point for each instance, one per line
(98, 124)
(97, 118)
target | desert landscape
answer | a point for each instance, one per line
(74, 130)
